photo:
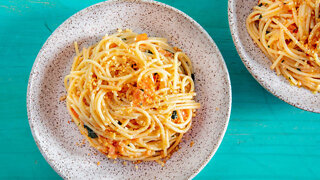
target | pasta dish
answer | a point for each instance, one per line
(132, 96)
(288, 32)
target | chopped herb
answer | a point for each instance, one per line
(169, 51)
(282, 61)
(142, 90)
(78, 124)
(267, 32)
(140, 104)
(192, 76)
(260, 16)
(298, 69)
(120, 123)
(268, 46)
(148, 51)
(91, 133)
(124, 39)
(174, 115)
(289, 78)
(260, 5)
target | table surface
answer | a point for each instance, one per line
(266, 138)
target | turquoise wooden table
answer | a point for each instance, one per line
(266, 138)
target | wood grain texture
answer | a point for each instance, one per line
(266, 138)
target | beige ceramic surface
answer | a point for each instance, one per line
(259, 65)
(48, 117)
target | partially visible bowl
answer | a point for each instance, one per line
(48, 117)
(259, 65)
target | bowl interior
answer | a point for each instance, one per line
(61, 142)
(259, 65)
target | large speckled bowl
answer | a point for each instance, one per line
(48, 117)
(259, 65)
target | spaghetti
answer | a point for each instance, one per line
(132, 96)
(287, 31)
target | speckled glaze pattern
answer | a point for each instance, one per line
(259, 65)
(48, 117)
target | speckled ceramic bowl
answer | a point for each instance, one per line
(48, 117)
(259, 65)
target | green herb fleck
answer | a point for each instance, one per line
(192, 76)
(91, 133)
(298, 69)
(124, 39)
(140, 104)
(148, 51)
(260, 5)
(142, 90)
(282, 61)
(267, 32)
(260, 16)
(174, 115)
(289, 78)
(169, 51)
(120, 123)
(268, 46)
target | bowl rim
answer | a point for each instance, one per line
(110, 2)
(240, 50)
